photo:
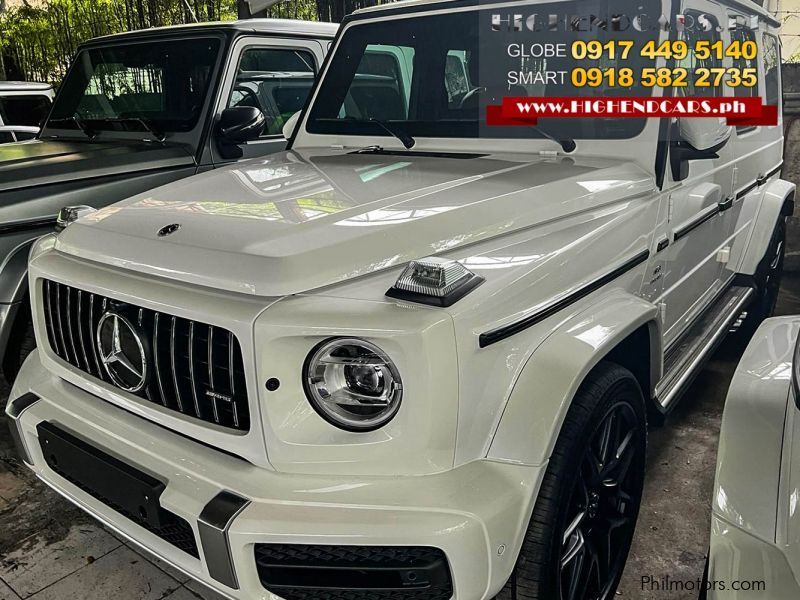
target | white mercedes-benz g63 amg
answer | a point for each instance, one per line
(413, 356)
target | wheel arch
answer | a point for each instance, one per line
(619, 327)
(13, 290)
(777, 199)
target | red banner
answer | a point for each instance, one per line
(522, 111)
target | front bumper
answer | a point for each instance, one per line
(476, 514)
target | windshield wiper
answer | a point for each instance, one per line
(567, 144)
(146, 123)
(395, 131)
(85, 129)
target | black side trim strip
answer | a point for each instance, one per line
(743, 192)
(501, 333)
(761, 180)
(769, 175)
(689, 227)
(726, 204)
(29, 225)
(662, 245)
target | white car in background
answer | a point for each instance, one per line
(23, 108)
(755, 526)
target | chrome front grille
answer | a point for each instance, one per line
(194, 368)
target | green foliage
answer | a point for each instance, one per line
(37, 41)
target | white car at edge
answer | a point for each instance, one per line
(413, 357)
(755, 533)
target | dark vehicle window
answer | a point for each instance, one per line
(422, 74)
(28, 110)
(160, 85)
(744, 35)
(6, 137)
(772, 69)
(705, 30)
(276, 81)
(24, 135)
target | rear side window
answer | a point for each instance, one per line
(6, 137)
(744, 35)
(707, 31)
(771, 51)
(24, 110)
(277, 81)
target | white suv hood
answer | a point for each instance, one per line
(295, 221)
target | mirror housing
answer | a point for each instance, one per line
(704, 133)
(240, 124)
(696, 139)
(290, 125)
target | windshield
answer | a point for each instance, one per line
(433, 76)
(151, 86)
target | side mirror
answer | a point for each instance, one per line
(696, 139)
(241, 124)
(704, 133)
(291, 125)
(70, 214)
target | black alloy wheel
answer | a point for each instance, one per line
(768, 276)
(581, 529)
(603, 507)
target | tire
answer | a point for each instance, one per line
(608, 406)
(21, 343)
(768, 279)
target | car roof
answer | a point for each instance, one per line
(24, 86)
(281, 27)
(410, 6)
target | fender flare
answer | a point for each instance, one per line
(14, 274)
(777, 199)
(13, 287)
(544, 390)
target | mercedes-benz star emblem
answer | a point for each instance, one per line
(169, 229)
(122, 352)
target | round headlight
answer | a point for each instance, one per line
(352, 384)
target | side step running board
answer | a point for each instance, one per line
(687, 356)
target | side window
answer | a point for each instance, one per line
(742, 35)
(24, 110)
(275, 80)
(456, 77)
(381, 86)
(771, 51)
(705, 28)
(6, 137)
